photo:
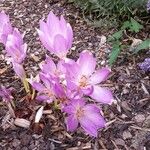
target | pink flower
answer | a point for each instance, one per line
(64, 95)
(5, 27)
(45, 89)
(15, 46)
(55, 72)
(56, 35)
(82, 76)
(6, 94)
(88, 116)
(19, 70)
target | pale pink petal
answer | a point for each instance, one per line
(77, 103)
(44, 41)
(92, 108)
(60, 47)
(69, 35)
(72, 123)
(88, 126)
(53, 23)
(88, 90)
(3, 18)
(95, 119)
(44, 78)
(37, 86)
(19, 70)
(87, 63)
(48, 66)
(69, 109)
(101, 94)
(99, 76)
(63, 24)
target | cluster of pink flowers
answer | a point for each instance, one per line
(74, 86)
(13, 42)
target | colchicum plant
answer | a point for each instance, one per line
(72, 86)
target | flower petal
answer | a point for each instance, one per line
(72, 123)
(37, 86)
(87, 63)
(60, 47)
(88, 90)
(96, 119)
(48, 66)
(102, 95)
(99, 76)
(69, 35)
(53, 23)
(19, 70)
(88, 126)
(44, 41)
(69, 109)
(44, 98)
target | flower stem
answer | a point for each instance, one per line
(26, 85)
(33, 94)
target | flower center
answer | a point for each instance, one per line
(48, 93)
(83, 81)
(79, 112)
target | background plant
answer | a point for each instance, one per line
(111, 12)
(116, 40)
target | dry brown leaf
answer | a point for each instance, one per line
(22, 122)
(3, 70)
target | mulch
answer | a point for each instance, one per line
(128, 120)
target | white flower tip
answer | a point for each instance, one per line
(113, 101)
(86, 51)
(39, 114)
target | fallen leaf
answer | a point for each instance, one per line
(3, 70)
(22, 122)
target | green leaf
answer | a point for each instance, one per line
(135, 26)
(114, 53)
(126, 25)
(116, 36)
(144, 45)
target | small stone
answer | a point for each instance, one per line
(139, 118)
(120, 141)
(126, 135)
(24, 148)
(25, 139)
(16, 143)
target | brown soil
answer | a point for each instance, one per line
(128, 119)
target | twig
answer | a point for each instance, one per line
(55, 141)
(115, 145)
(139, 128)
(110, 122)
(102, 144)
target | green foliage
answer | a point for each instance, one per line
(114, 53)
(132, 25)
(115, 39)
(144, 45)
(111, 10)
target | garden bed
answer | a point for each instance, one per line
(128, 119)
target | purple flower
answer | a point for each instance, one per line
(145, 65)
(88, 116)
(148, 5)
(82, 76)
(19, 70)
(64, 95)
(45, 90)
(5, 27)
(6, 94)
(55, 72)
(56, 35)
(15, 46)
